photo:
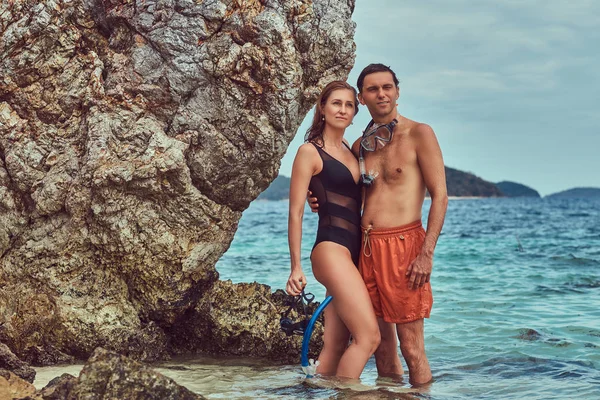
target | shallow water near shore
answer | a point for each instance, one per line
(237, 378)
(516, 284)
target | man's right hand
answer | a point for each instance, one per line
(312, 202)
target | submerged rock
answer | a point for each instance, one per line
(132, 136)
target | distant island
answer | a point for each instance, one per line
(278, 190)
(513, 189)
(460, 184)
(465, 184)
(577, 193)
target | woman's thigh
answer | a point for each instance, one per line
(333, 267)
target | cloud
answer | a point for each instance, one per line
(515, 79)
(453, 83)
(468, 49)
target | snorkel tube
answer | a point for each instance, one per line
(310, 367)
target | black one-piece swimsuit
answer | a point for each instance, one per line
(339, 200)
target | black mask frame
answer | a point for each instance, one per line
(296, 328)
(367, 179)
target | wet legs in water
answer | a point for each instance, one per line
(333, 267)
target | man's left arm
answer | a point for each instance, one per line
(431, 163)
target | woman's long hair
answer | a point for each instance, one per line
(315, 132)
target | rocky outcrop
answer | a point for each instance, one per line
(105, 376)
(243, 319)
(13, 387)
(10, 362)
(58, 388)
(108, 375)
(132, 135)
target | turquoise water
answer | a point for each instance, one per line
(516, 285)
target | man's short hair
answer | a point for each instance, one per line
(371, 69)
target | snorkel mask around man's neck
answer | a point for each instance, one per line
(374, 136)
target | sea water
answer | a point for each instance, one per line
(516, 286)
(516, 313)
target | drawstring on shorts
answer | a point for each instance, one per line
(367, 242)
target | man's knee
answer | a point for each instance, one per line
(412, 351)
(412, 341)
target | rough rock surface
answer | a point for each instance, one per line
(10, 362)
(108, 375)
(58, 388)
(105, 376)
(13, 387)
(132, 135)
(243, 319)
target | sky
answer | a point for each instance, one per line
(510, 87)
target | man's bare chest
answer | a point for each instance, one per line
(393, 162)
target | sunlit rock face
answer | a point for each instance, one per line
(132, 136)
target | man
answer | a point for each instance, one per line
(397, 254)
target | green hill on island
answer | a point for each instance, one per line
(577, 193)
(513, 189)
(465, 184)
(460, 184)
(278, 190)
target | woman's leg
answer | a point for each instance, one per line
(335, 341)
(333, 267)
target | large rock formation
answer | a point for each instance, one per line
(132, 135)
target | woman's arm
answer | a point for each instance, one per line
(305, 166)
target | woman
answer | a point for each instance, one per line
(326, 166)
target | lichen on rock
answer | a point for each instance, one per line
(132, 136)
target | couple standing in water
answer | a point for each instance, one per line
(376, 265)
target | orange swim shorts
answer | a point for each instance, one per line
(384, 258)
